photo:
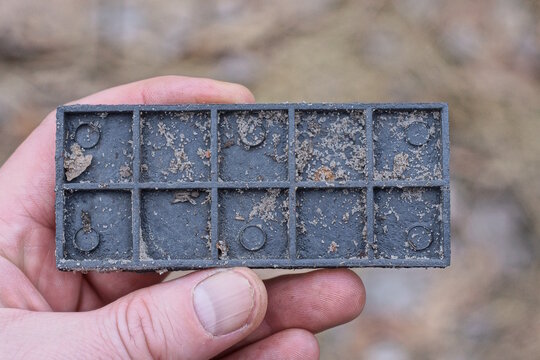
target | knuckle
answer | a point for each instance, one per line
(140, 330)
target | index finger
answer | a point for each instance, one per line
(313, 301)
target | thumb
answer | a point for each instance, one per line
(194, 317)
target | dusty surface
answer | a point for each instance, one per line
(168, 218)
(398, 154)
(322, 215)
(175, 146)
(330, 146)
(400, 163)
(247, 215)
(481, 57)
(266, 208)
(253, 145)
(101, 147)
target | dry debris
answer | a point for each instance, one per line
(86, 221)
(400, 165)
(75, 163)
(222, 248)
(326, 143)
(333, 247)
(125, 171)
(182, 196)
(266, 209)
(239, 217)
(324, 173)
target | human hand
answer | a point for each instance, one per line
(46, 313)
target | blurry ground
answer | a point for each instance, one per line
(481, 57)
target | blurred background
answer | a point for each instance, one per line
(481, 57)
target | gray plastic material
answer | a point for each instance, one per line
(142, 187)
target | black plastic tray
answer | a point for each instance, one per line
(142, 187)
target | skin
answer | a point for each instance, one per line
(46, 313)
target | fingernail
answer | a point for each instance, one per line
(223, 302)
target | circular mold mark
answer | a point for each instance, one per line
(419, 237)
(301, 137)
(87, 135)
(252, 237)
(86, 240)
(254, 137)
(417, 134)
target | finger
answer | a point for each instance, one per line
(194, 317)
(314, 301)
(293, 344)
(172, 90)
